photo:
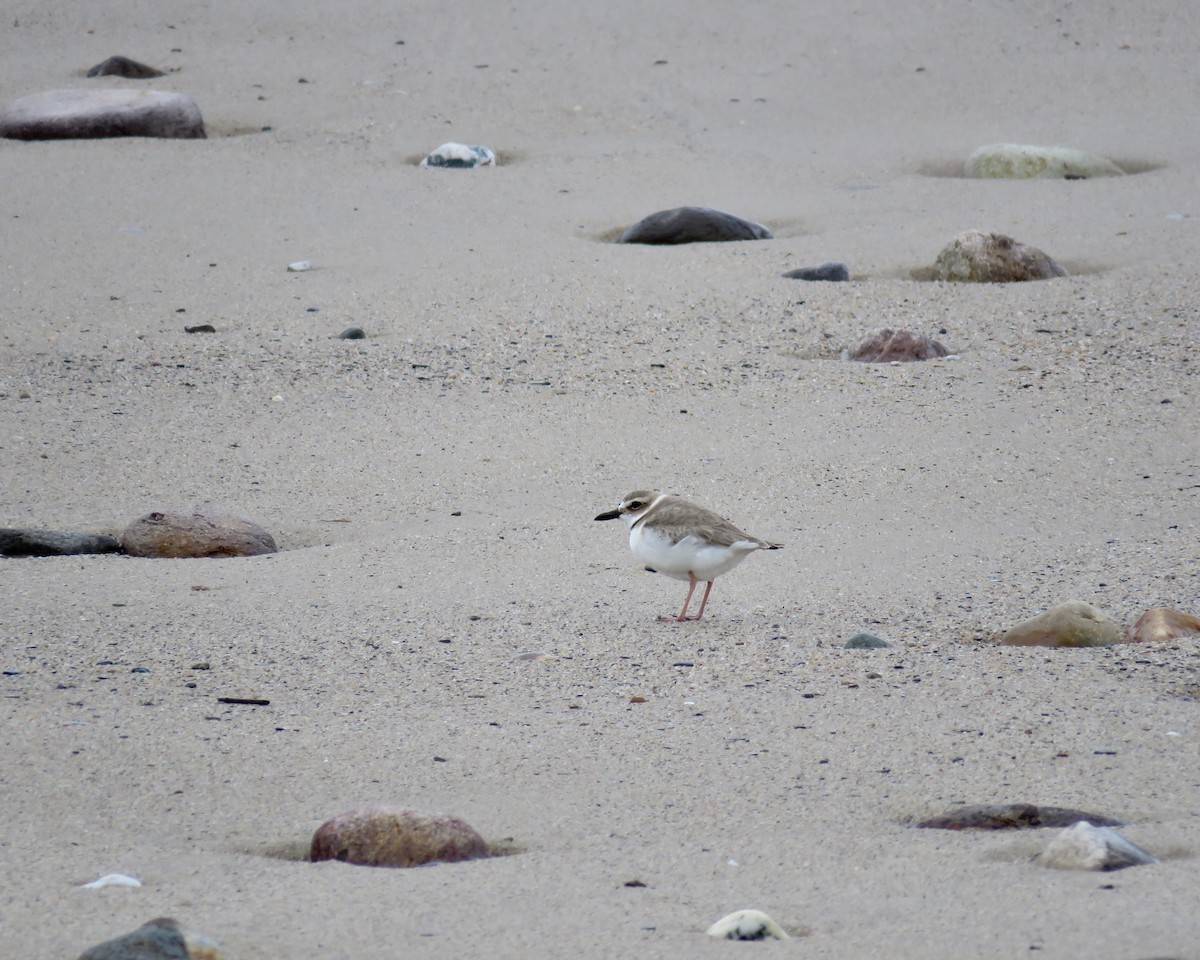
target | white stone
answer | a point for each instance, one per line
(1085, 847)
(113, 880)
(1016, 161)
(461, 156)
(747, 925)
(299, 266)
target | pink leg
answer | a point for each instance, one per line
(688, 599)
(704, 602)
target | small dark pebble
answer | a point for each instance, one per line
(683, 663)
(865, 641)
(248, 701)
(140, 670)
(201, 328)
(456, 513)
(834, 270)
(352, 333)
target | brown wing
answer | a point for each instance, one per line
(677, 518)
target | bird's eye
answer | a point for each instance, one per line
(635, 505)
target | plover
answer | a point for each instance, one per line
(683, 541)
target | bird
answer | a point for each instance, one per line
(683, 540)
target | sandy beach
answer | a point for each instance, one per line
(432, 487)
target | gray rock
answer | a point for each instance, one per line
(384, 836)
(887, 345)
(91, 114)
(196, 533)
(1015, 161)
(53, 543)
(160, 939)
(1071, 624)
(1087, 847)
(977, 257)
(352, 333)
(832, 270)
(865, 641)
(119, 66)
(1012, 816)
(460, 156)
(693, 225)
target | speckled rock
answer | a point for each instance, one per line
(1071, 624)
(1084, 846)
(747, 925)
(1163, 623)
(385, 836)
(195, 533)
(93, 114)
(978, 257)
(460, 156)
(53, 543)
(119, 66)
(693, 225)
(888, 345)
(832, 271)
(1016, 161)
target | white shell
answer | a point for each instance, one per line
(113, 880)
(1085, 847)
(747, 925)
(299, 266)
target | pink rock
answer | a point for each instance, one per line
(1163, 623)
(887, 344)
(91, 114)
(196, 533)
(385, 836)
(977, 257)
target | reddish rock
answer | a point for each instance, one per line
(1070, 624)
(384, 836)
(197, 533)
(977, 257)
(1163, 623)
(93, 114)
(888, 344)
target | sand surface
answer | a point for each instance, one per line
(432, 487)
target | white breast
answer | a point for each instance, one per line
(691, 555)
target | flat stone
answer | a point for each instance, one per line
(386, 836)
(833, 271)
(1016, 161)
(160, 939)
(747, 925)
(1071, 624)
(1012, 816)
(1084, 846)
(53, 543)
(1163, 623)
(888, 345)
(119, 66)
(693, 225)
(94, 114)
(196, 533)
(460, 156)
(977, 257)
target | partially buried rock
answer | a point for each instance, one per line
(865, 641)
(352, 333)
(119, 66)
(747, 925)
(160, 939)
(833, 270)
(978, 257)
(1011, 816)
(1163, 623)
(384, 836)
(53, 543)
(888, 345)
(196, 533)
(1071, 624)
(92, 114)
(693, 225)
(1016, 161)
(1088, 847)
(460, 156)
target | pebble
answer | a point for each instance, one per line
(387, 836)
(1016, 161)
(119, 66)
(1011, 816)
(693, 225)
(53, 543)
(92, 114)
(299, 266)
(1163, 623)
(832, 270)
(196, 533)
(865, 641)
(977, 257)
(747, 925)
(352, 333)
(1071, 624)
(113, 880)
(1083, 846)
(200, 328)
(888, 345)
(460, 156)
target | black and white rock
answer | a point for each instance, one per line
(53, 543)
(94, 114)
(693, 225)
(1017, 161)
(977, 257)
(832, 270)
(119, 66)
(460, 156)
(1087, 847)
(747, 925)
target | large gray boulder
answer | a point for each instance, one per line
(95, 114)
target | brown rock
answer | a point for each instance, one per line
(119, 66)
(160, 939)
(1070, 624)
(92, 114)
(1012, 816)
(1163, 623)
(197, 533)
(384, 836)
(977, 257)
(888, 344)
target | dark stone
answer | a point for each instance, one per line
(693, 225)
(395, 837)
(832, 270)
(353, 333)
(200, 328)
(174, 534)
(865, 641)
(94, 114)
(160, 939)
(119, 66)
(53, 543)
(886, 345)
(1013, 816)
